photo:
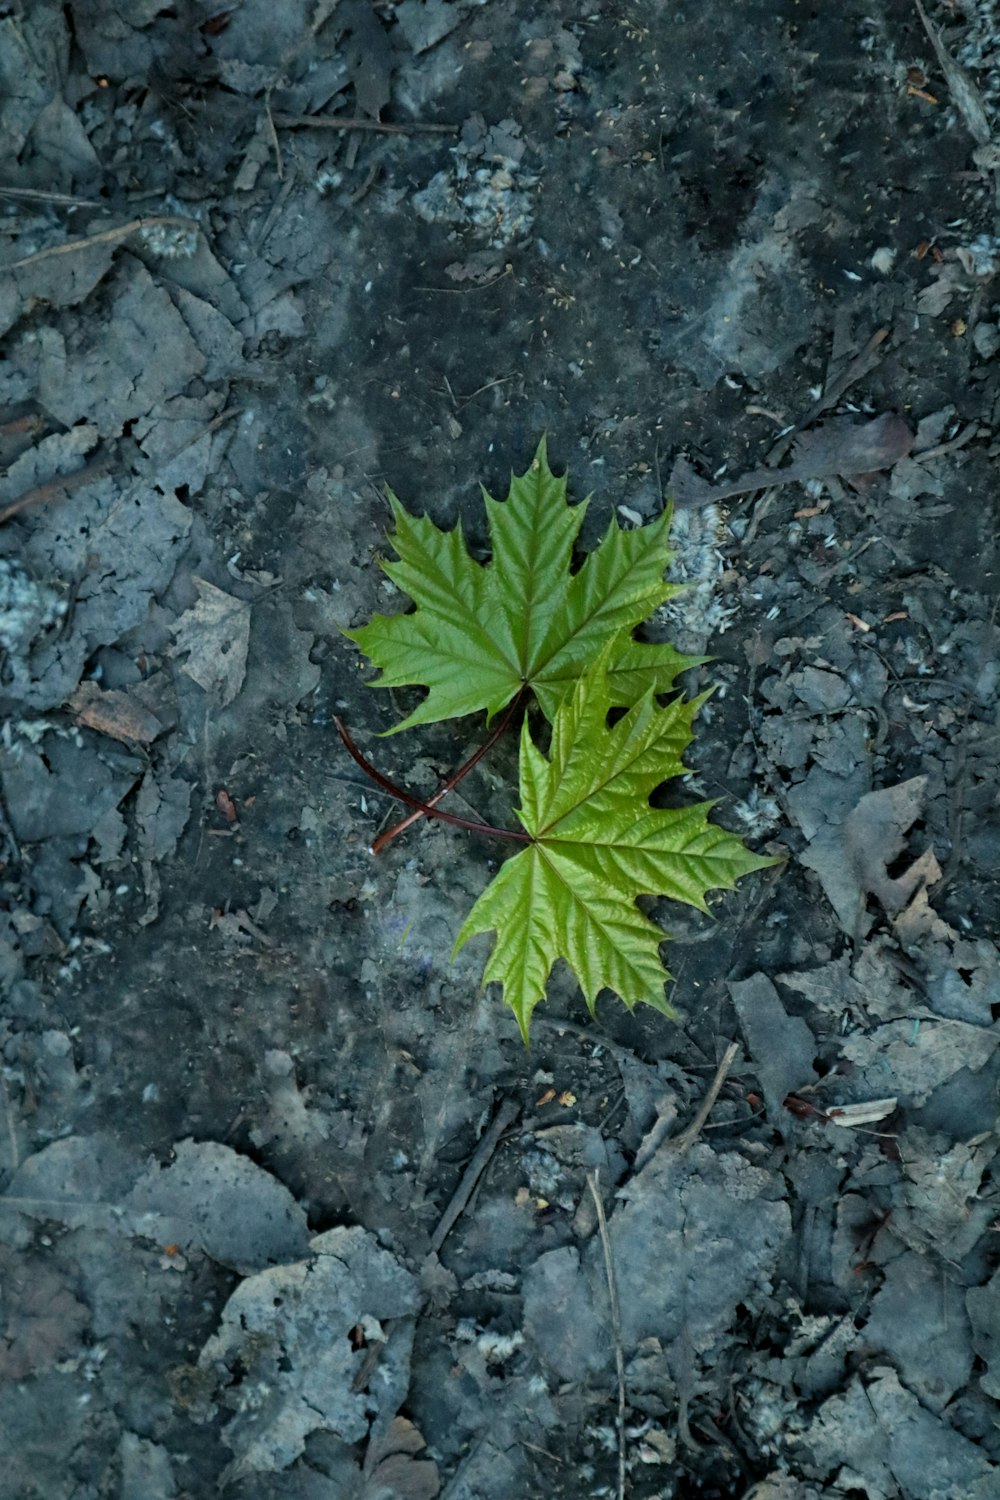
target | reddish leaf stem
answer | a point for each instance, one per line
(452, 782)
(518, 834)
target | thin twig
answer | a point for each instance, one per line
(56, 489)
(275, 143)
(353, 122)
(680, 1144)
(366, 187)
(594, 1183)
(967, 97)
(504, 1117)
(966, 435)
(39, 195)
(105, 237)
(543, 1451)
(260, 236)
(465, 291)
(367, 1367)
(452, 782)
(489, 386)
(30, 424)
(13, 1147)
(518, 834)
(836, 386)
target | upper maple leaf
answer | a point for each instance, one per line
(480, 632)
(596, 845)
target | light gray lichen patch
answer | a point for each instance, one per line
(487, 187)
(27, 609)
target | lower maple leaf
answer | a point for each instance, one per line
(596, 845)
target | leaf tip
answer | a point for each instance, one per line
(522, 1014)
(540, 465)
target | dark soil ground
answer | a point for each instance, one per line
(242, 1078)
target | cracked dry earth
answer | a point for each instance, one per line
(286, 1208)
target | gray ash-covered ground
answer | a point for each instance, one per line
(242, 1079)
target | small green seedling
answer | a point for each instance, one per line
(487, 637)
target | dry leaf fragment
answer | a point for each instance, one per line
(114, 713)
(874, 838)
(41, 1322)
(216, 633)
(852, 857)
(392, 1465)
(226, 806)
(915, 1056)
(837, 446)
(850, 1115)
(162, 809)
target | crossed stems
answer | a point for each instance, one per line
(430, 809)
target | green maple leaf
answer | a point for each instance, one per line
(481, 632)
(597, 844)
